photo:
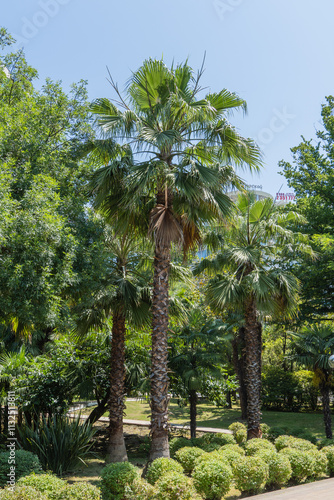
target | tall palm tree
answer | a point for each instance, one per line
(178, 152)
(313, 346)
(249, 277)
(124, 296)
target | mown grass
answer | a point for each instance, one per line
(211, 416)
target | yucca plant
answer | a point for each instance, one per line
(60, 443)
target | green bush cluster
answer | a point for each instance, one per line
(233, 447)
(329, 452)
(302, 463)
(47, 484)
(115, 477)
(25, 463)
(187, 457)
(22, 493)
(295, 443)
(79, 491)
(212, 479)
(279, 467)
(161, 466)
(175, 486)
(177, 443)
(239, 432)
(256, 444)
(250, 474)
(140, 489)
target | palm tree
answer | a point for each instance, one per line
(178, 155)
(250, 279)
(125, 297)
(313, 346)
(196, 354)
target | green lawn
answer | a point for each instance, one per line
(211, 416)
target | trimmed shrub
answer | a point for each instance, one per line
(329, 452)
(79, 491)
(177, 443)
(175, 486)
(320, 463)
(22, 493)
(187, 457)
(302, 463)
(250, 474)
(213, 455)
(160, 466)
(256, 444)
(233, 447)
(212, 479)
(48, 484)
(114, 478)
(140, 490)
(25, 463)
(239, 432)
(295, 443)
(228, 455)
(280, 470)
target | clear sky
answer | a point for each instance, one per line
(276, 54)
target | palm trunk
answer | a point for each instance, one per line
(116, 448)
(193, 413)
(159, 376)
(325, 388)
(239, 362)
(253, 341)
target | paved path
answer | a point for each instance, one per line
(146, 423)
(319, 490)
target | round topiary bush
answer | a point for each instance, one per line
(233, 447)
(320, 463)
(187, 457)
(212, 479)
(239, 432)
(228, 455)
(22, 493)
(329, 452)
(25, 463)
(295, 443)
(48, 484)
(302, 463)
(79, 491)
(250, 474)
(114, 478)
(160, 466)
(175, 486)
(140, 490)
(280, 470)
(177, 443)
(256, 444)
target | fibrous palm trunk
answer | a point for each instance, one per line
(116, 448)
(159, 375)
(253, 346)
(239, 362)
(193, 412)
(326, 409)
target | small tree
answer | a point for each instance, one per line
(313, 346)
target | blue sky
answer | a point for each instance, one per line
(276, 54)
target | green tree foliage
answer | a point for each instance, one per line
(311, 176)
(48, 236)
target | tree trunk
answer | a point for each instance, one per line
(98, 411)
(325, 388)
(159, 375)
(193, 413)
(239, 362)
(253, 342)
(116, 448)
